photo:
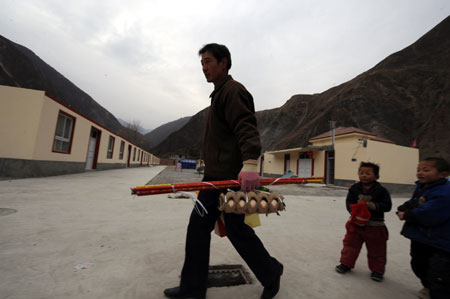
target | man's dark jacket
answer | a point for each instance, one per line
(231, 134)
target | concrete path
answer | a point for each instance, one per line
(84, 236)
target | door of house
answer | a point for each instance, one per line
(261, 169)
(305, 168)
(129, 156)
(287, 163)
(91, 159)
(329, 167)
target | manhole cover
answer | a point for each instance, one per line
(5, 211)
(227, 275)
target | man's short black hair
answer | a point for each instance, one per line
(375, 167)
(441, 164)
(218, 51)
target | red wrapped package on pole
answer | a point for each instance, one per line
(194, 186)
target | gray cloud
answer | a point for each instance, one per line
(139, 59)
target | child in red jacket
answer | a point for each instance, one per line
(367, 201)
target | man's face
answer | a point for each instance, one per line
(214, 71)
(366, 175)
(428, 173)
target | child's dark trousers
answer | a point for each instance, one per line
(432, 267)
(375, 238)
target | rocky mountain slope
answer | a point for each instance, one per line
(156, 136)
(404, 97)
(186, 141)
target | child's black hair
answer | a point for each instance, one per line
(441, 164)
(375, 167)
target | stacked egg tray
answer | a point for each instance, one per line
(259, 202)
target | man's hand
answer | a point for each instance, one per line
(400, 215)
(249, 175)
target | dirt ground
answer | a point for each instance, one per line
(85, 236)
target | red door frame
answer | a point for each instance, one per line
(129, 156)
(97, 146)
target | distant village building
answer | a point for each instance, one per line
(338, 164)
(41, 136)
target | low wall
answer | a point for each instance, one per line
(21, 168)
(108, 166)
(271, 175)
(392, 188)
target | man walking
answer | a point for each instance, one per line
(231, 147)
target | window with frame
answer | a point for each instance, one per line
(62, 142)
(134, 154)
(110, 151)
(122, 147)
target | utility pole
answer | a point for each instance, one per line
(332, 127)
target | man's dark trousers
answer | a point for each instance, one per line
(194, 276)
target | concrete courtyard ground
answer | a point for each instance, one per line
(84, 236)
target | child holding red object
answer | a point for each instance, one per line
(427, 224)
(367, 201)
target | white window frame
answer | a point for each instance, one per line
(110, 152)
(122, 148)
(68, 125)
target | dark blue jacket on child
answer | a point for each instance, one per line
(427, 215)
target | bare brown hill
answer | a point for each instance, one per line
(156, 136)
(185, 142)
(405, 96)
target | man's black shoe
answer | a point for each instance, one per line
(272, 290)
(176, 293)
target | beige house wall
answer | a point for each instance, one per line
(274, 162)
(103, 149)
(397, 163)
(47, 127)
(28, 120)
(319, 164)
(81, 136)
(20, 114)
(345, 149)
(292, 161)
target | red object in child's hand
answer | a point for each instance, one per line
(360, 214)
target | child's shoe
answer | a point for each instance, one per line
(342, 268)
(376, 276)
(424, 293)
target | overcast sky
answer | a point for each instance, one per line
(139, 60)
